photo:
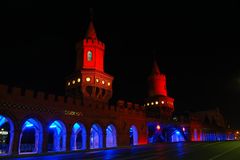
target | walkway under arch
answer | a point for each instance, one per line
(6, 135)
(133, 134)
(111, 136)
(56, 136)
(31, 137)
(96, 137)
(78, 137)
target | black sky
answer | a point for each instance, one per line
(197, 47)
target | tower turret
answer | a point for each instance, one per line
(158, 104)
(157, 82)
(90, 81)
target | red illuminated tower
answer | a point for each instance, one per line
(158, 104)
(90, 82)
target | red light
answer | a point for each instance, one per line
(158, 127)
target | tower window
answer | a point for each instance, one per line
(89, 55)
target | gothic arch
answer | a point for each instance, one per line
(31, 137)
(7, 132)
(78, 137)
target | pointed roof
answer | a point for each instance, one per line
(91, 33)
(155, 69)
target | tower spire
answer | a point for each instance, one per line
(91, 33)
(155, 69)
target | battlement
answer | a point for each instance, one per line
(129, 106)
(16, 94)
(31, 97)
(93, 42)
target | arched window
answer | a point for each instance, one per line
(89, 55)
(96, 137)
(56, 137)
(133, 135)
(31, 137)
(111, 140)
(6, 135)
(78, 137)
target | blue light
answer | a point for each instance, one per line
(28, 124)
(177, 132)
(2, 120)
(76, 126)
(52, 125)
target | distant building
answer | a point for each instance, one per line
(35, 122)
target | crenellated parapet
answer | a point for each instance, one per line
(26, 96)
(21, 96)
(126, 106)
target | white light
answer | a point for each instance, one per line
(147, 104)
(78, 80)
(109, 83)
(88, 79)
(162, 102)
(152, 103)
(69, 83)
(73, 82)
(156, 102)
(103, 82)
(97, 80)
(3, 132)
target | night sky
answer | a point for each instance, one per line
(196, 48)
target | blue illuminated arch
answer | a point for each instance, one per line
(111, 136)
(96, 137)
(133, 134)
(177, 136)
(57, 136)
(32, 131)
(78, 137)
(7, 132)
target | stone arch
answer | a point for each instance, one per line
(7, 134)
(111, 136)
(78, 137)
(133, 135)
(56, 136)
(96, 136)
(31, 137)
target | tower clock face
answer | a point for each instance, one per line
(89, 55)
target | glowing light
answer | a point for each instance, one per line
(69, 83)
(2, 129)
(237, 132)
(28, 124)
(183, 129)
(88, 79)
(3, 132)
(177, 132)
(162, 102)
(73, 82)
(78, 80)
(76, 126)
(108, 83)
(152, 103)
(158, 127)
(103, 82)
(52, 125)
(97, 80)
(156, 102)
(148, 104)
